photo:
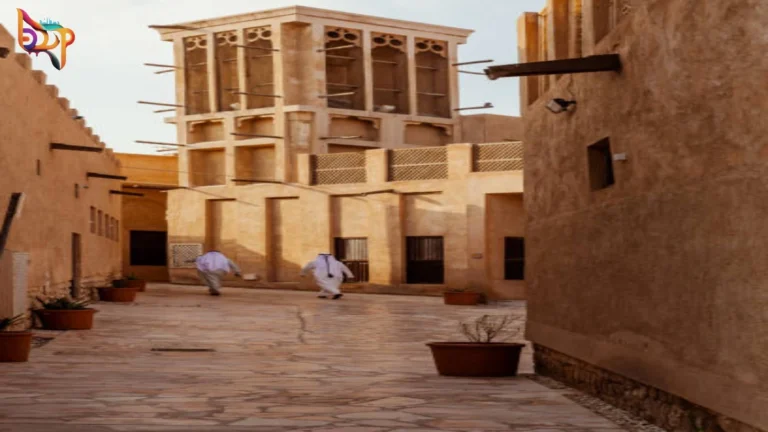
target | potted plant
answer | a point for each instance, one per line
(481, 356)
(132, 281)
(461, 297)
(120, 291)
(65, 314)
(14, 345)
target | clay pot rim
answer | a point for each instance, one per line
(64, 310)
(15, 333)
(118, 288)
(469, 345)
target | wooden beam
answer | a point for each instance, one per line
(160, 143)
(597, 63)
(13, 205)
(105, 176)
(472, 62)
(160, 104)
(60, 146)
(117, 192)
(256, 94)
(337, 48)
(162, 65)
(257, 48)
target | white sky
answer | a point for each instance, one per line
(104, 75)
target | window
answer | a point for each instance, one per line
(77, 190)
(514, 258)
(148, 248)
(353, 252)
(114, 229)
(600, 164)
(117, 230)
(425, 260)
(37, 167)
(93, 220)
(100, 222)
(106, 225)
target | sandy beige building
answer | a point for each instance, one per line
(64, 240)
(307, 131)
(645, 234)
(144, 232)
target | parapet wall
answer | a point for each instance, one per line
(67, 231)
(25, 61)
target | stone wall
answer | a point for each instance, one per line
(59, 196)
(666, 410)
(659, 277)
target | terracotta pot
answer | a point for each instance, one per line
(119, 295)
(136, 283)
(461, 298)
(15, 346)
(81, 319)
(468, 359)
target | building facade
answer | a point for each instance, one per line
(144, 232)
(645, 208)
(64, 240)
(305, 131)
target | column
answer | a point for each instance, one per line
(413, 100)
(528, 51)
(212, 84)
(368, 70)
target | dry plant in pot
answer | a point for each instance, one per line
(485, 354)
(133, 281)
(65, 314)
(461, 297)
(120, 292)
(14, 345)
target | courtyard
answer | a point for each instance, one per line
(255, 360)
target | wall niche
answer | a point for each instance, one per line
(390, 73)
(432, 84)
(344, 72)
(427, 134)
(359, 128)
(205, 131)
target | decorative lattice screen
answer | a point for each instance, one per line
(338, 168)
(181, 253)
(418, 164)
(498, 157)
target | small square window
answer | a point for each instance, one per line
(600, 163)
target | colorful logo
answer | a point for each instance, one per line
(29, 38)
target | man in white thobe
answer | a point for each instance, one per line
(329, 275)
(211, 267)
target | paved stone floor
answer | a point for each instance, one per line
(283, 361)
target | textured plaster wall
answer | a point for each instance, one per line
(487, 128)
(276, 236)
(149, 169)
(662, 276)
(33, 117)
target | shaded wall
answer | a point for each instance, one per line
(660, 277)
(59, 196)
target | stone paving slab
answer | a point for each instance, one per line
(282, 361)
